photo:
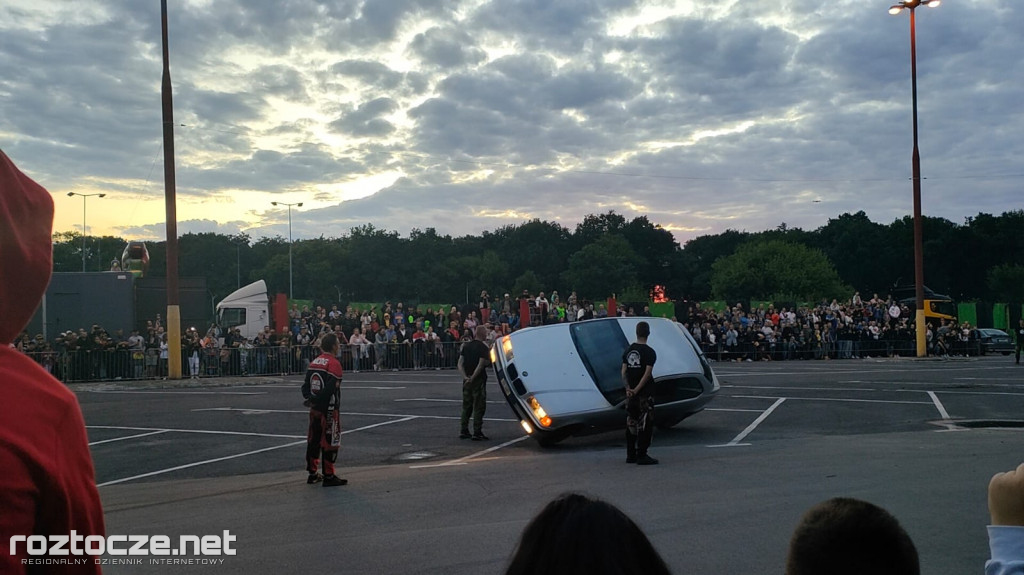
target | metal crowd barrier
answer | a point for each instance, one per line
(120, 364)
(126, 364)
(840, 349)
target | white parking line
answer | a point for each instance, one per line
(837, 399)
(736, 440)
(175, 392)
(237, 455)
(952, 392)
(463, 460)
(802, 388)
(344, 387)
(724, 372)
(938, 405)
(128, 437)
(202, 431)
(726, 409)
(352, 413)
(198, 463)
(443, 400)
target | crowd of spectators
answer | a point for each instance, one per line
(98, 354)
(395, 336)
(857, 328)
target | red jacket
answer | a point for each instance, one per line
(47, 481)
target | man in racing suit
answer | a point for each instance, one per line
(322, 392)
(637, 374)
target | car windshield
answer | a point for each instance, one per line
(993, 333)
(600, 345)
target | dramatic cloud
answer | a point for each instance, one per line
(466, 115)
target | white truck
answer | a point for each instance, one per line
(247, 308)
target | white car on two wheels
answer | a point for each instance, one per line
(565, 379)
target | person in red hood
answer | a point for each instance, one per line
(47, 481)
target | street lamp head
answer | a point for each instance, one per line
(273, 203)
(71, 194)
(298, 205)
(102, 195)
(911, 4)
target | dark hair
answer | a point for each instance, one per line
(329, 343)
(578, 534)
(643, 329)
(844, 536)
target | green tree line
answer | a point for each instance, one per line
(980, 259)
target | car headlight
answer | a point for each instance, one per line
(539, 413)
(506, 347)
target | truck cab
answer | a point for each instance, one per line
(247, 308)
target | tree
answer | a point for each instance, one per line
(700, 253)
(776, 270)
(593, 228)
(539, 246)
(1006, 283)
(602, 268)
(527, 282)
(654, 247)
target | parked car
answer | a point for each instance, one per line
(992, 340)
(565, 379)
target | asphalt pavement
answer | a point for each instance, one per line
(919, 437)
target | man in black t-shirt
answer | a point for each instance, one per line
(474, 359)
(637, 374)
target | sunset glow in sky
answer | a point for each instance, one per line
(467, 115)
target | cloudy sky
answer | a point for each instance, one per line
(467, 115)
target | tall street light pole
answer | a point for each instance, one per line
(915, 162)
(84, 198)
(170, 207)
(291, 286)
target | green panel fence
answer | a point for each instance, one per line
(1001, 316)
(715, 305)
(967, 312)
(666, 309)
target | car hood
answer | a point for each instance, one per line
(560, 381)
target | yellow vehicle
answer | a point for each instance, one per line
(936, 306)
(939, 308)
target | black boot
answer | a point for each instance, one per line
(644, 459)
